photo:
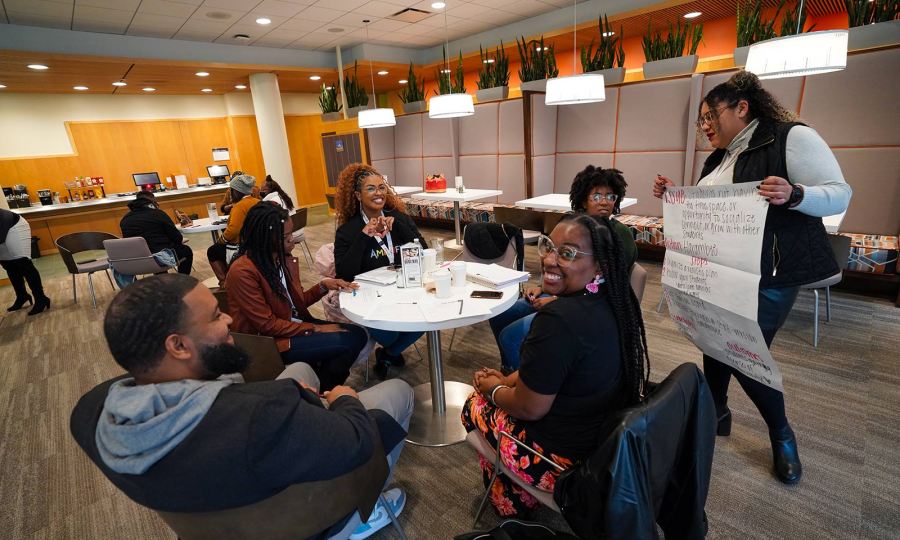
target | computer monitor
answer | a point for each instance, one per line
(143, 179)
(218, 171)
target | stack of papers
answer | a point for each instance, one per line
(495, 276)
(380, 276)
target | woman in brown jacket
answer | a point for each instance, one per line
(265, 297)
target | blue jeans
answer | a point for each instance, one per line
(510, 329)
(330, 353)
(394, 342)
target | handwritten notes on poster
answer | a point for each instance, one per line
(711, 273)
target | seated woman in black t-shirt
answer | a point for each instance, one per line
(372, 222)
(584, 358)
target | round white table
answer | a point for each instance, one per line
(206, 225)
(438, 404)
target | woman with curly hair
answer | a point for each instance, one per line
(585, 358)
(596, 192)
(757, 139)
(372, 222)
(265, 297)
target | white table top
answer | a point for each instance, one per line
(560, 201)
(370, 297)
(468, 195)
(833, 223)
(406, 190)
(203, 225)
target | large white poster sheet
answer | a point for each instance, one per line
(711, 273)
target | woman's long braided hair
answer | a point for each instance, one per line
(262, 241)
(609, 255)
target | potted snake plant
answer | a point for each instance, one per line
(666, 56)
(609, 51)
(357, 99)
(538, 64)
(493, 77)
(752, 28)
(413, 94)
(873, 23)
(328, 102)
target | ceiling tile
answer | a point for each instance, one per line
(343, 5)
(311, 41)
(238, 5)
(100, 27)
(46, 21)
(202, 15)
(146, 24)
(378, 9)
(350, 20)
(528, 8)
(85, 14)
(167, 7)
(206, 27)
(248, 23)
(278, 7)
(43, 8)
(301, 24)
(300, 2)
(468, 11)
(131, 5)
(316, 13)
(498, 17)
(195, 35)
(389, 25)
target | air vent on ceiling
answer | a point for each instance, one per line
(410, 15)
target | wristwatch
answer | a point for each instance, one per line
(322, 288)
(796, 196)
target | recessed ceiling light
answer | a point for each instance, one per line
(120, 83)
(335, 30)
(314, 77)
(79, 88)
(438, 5)
(202, 74)
(608, 34)
(263, 20)
(206, 90)
(149, 89)
(2, 86)
(241, 86)
(488, 61)
(445, 71)
(539, 49)
(692, 15)
(382, 72)
(403, 81)
(329, 88)
(37, 67)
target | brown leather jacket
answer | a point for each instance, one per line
(257, 309)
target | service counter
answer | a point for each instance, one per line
(50, 222)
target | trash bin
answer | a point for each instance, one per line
(35, 250)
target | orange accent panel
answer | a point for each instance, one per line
(307, 161)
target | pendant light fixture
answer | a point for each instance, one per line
(377, 117)
(575, 89)
(799, 55)
(450, 105)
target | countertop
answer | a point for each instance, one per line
(114, 199)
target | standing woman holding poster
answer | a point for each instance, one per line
(757, 139)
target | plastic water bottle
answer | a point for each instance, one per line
(213, 213)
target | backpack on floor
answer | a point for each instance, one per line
(516, 529)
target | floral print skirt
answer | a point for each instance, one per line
(508, 498)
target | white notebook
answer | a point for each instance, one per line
(495, 276)
(380, 276)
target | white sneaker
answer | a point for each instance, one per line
(396, 498)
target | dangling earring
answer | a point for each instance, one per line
(594, 286)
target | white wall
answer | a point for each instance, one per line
(34, 124)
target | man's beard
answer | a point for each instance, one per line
(223, 358)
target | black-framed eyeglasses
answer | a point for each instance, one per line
(711, 115)
(598, 197)
(565, 254)
(381, 188)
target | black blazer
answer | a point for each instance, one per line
(356, 253)
(154, 225)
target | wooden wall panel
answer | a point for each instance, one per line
(245, 146)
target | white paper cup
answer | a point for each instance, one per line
(442, 283)
(429, 260)
(458, 273)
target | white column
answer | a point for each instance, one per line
(272, 132)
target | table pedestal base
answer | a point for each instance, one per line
(429, 428)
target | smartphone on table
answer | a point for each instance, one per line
(492, 295)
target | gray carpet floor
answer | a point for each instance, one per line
(843, 400)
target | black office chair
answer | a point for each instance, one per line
(71, 244)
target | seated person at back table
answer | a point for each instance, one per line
(272, 192)
(146, 220)
(265, 297)
(372, 221)
(240, 189)
(595, 192)
(182, 432)
(585, 357)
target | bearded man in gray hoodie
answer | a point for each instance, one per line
(182, 432)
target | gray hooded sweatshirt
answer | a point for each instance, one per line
(141, 424)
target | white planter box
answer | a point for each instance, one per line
(740, 56)
(414, 107)
(331, 116)
(353, 112)
(534, 86)
(496, 93)
(671, 67)
(611, 75)
(874, 35)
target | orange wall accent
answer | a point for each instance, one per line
(307, 159)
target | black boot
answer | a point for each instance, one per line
(20, 303)
(382, 363)
(41, 304)
(785, 456)
(723, 426)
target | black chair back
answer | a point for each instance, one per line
(840, 245)
(266, 362)
(523, 218)
(550, 221)
(70, 244)
(298, 219)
